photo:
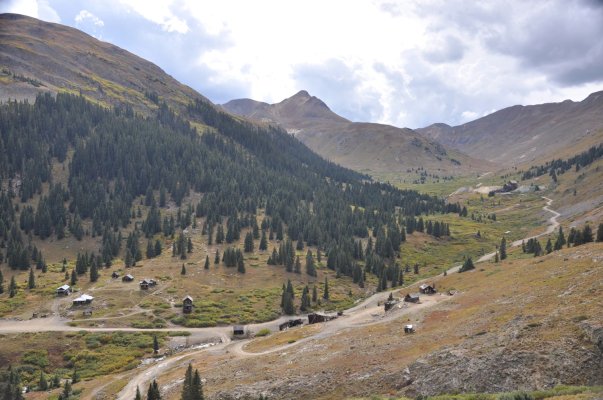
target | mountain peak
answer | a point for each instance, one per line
(302, 93)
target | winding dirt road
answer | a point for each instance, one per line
(552, 225)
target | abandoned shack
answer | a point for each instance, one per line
(289, 324)
(127, 278)
(83, 299)
(388, 305)
(147, 283)
(427, 289)
(411, 298)
(314, 318)
(64, 290)
(187, 305)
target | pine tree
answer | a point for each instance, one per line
(599, 234)
(467, 265)
(31, 282)
(75, 377)
(155, 344)
(12, 287)
(153, 392)
(66, 390)
(560, 241)
(1, 283)
(314, 294)
(325, 294)
(183, 270)
(187, 385)
(157, 249)
(248, 245)
(496, 257)
(73, 277)
(93, 273)
(197, 387)
(549, 246)
(42, 382)
(310, 268)
(217, 257)
(150, 253)
(297, 267)
(240, 264)
(288, 306)
(503, 249)
(263, 242)
(189, 246)
(587, 234)
(206, 266)
(305, 300)
(138, 395)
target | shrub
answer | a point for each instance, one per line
(263, 332)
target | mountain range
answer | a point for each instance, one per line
(520, 135)
(368, 147)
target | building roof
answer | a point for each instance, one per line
(238, 328)
(64, 287)
(408, 326)
(424, 286)
(188, 298)
(84, 297)
(128, 276)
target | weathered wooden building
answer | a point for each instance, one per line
(411, 298)
(314, 318)
(64, 290)
(82, 300)
(427, 289)
(187, 305)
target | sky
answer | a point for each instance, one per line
(408, 63)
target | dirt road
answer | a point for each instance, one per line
(552, 225)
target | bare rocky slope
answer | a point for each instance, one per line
(367, 147)
(521, 135)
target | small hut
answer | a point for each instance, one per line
(238, 331)
(411, 298)
(64, 290)
(82, 300)
(427, 289)
(314, 318)
(187, 305)
(409, 329)
(114, 275)
(127, 278)
(147, 283)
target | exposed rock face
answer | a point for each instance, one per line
(482, 364)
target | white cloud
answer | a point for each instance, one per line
(160, 12)
(34, 8)
(86, 15)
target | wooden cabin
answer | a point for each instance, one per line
(314, 318)
(127, 278)
(64, 290)
(147, 283)
(427, 289)
(82, 300)
(411, 298)
(187, 305)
